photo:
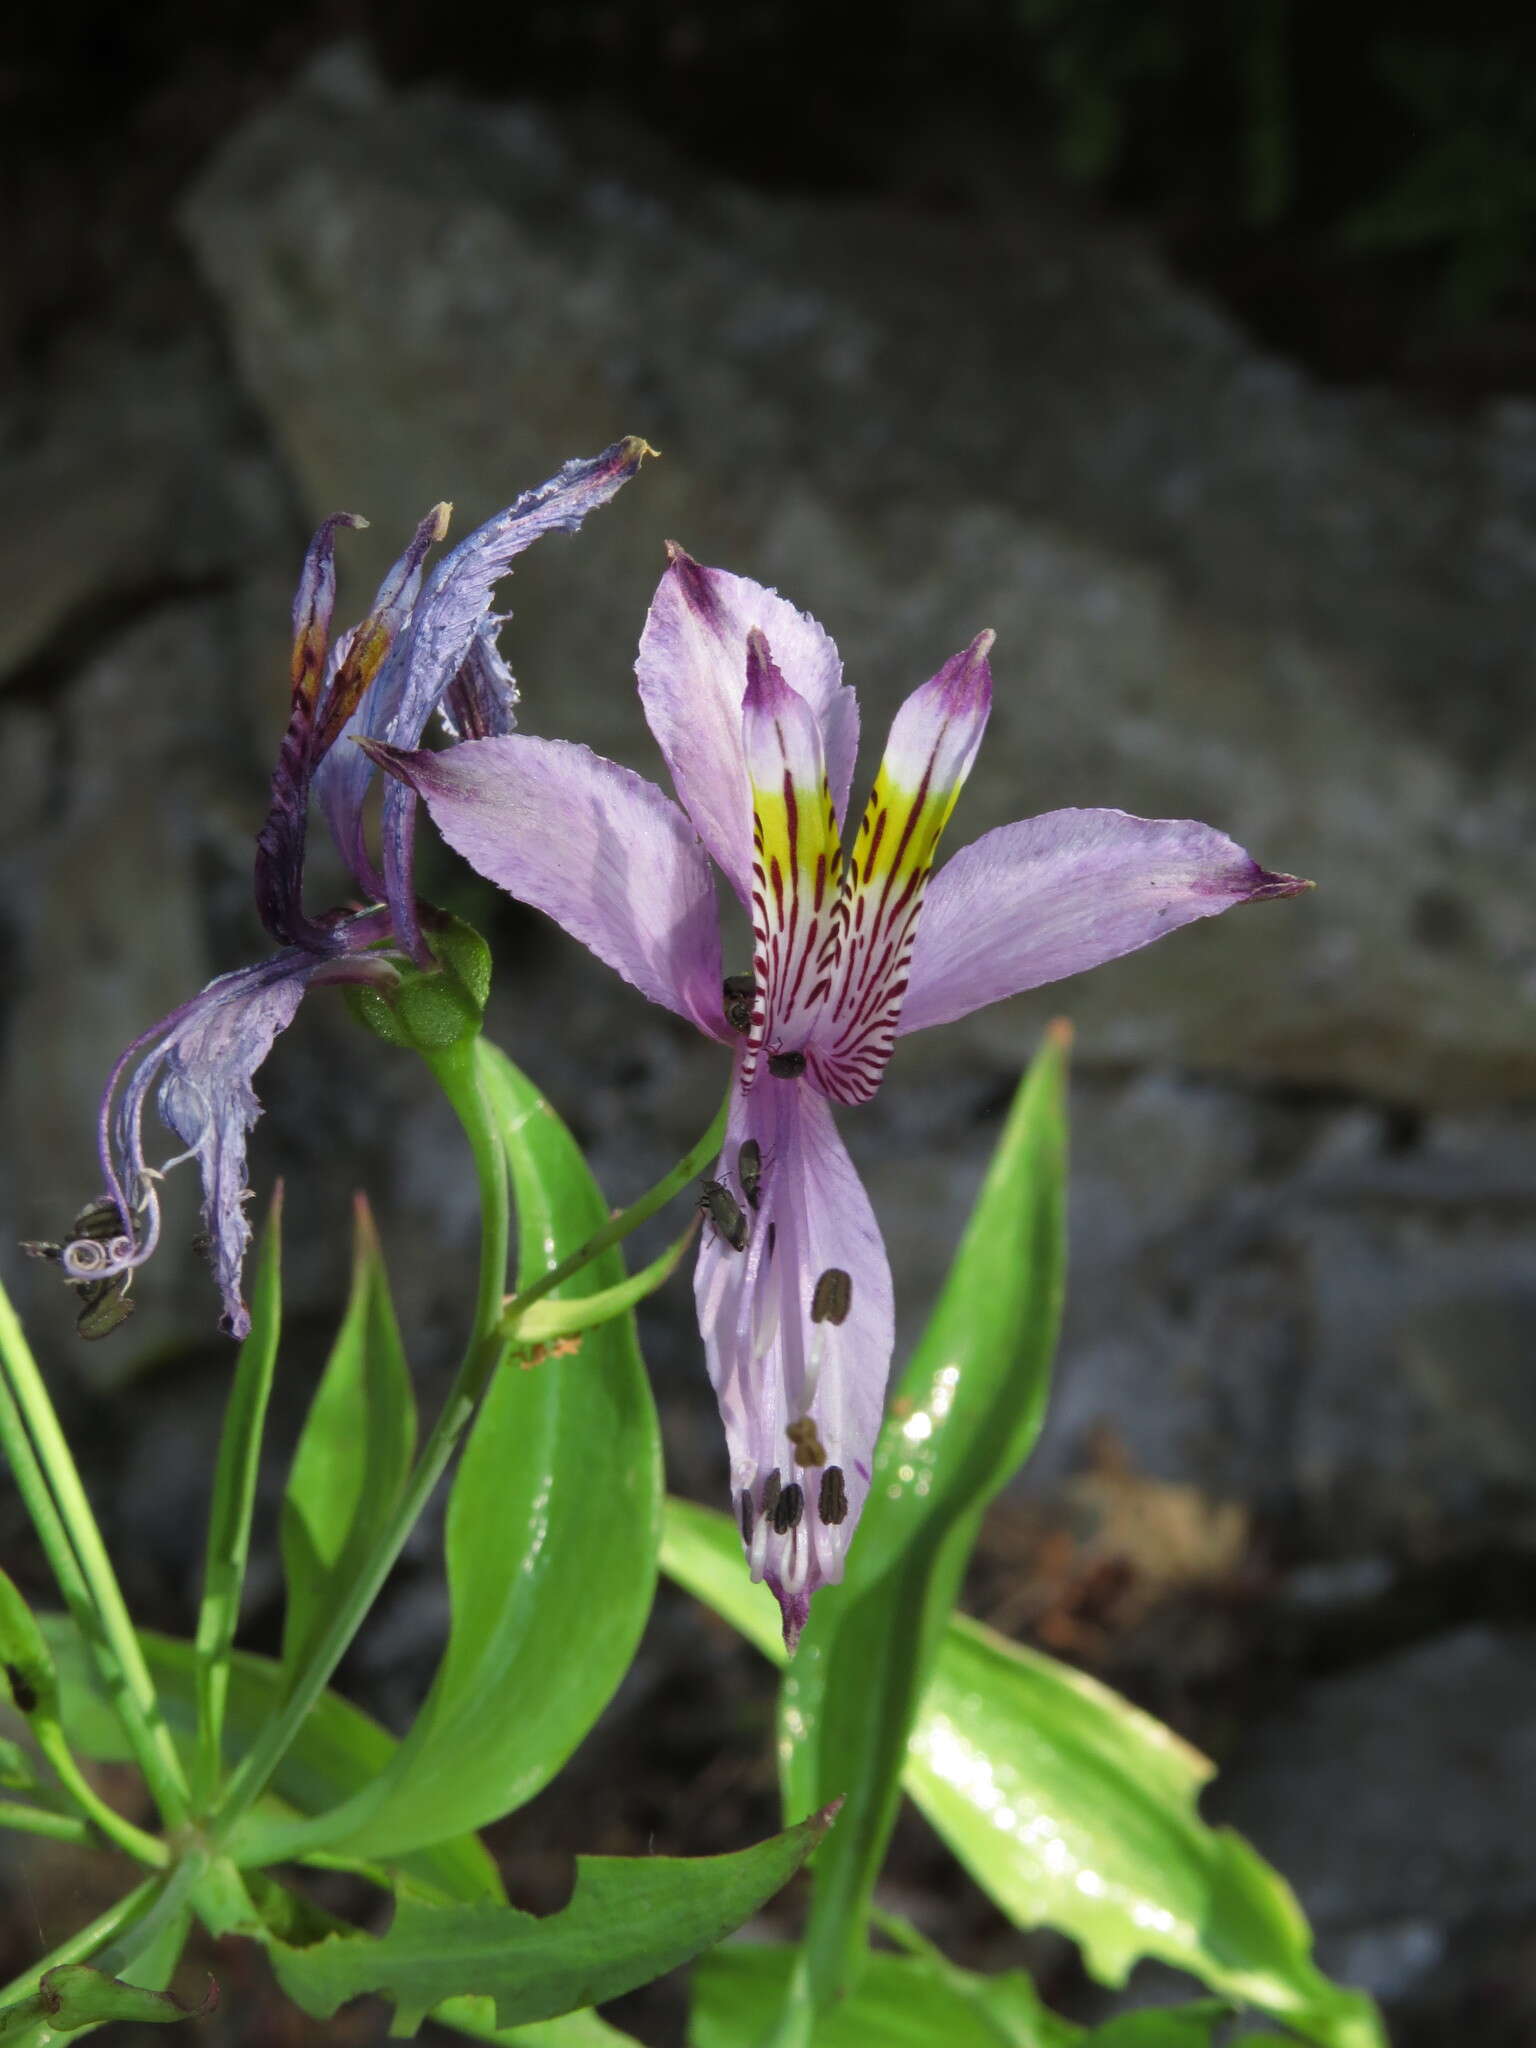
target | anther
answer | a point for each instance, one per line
(786, 1066)
(809, 1449)
(771, 1489)
(748, 1518)
(832, 1500)
(788, 1509)
(833, 1297)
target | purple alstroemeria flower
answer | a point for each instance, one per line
(419, 649)
(745, 697)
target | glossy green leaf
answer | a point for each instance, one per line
(552, 1533)
(553, 1317)
(234, 1499)
(353, 1455)
(899, 2002)
(1073, 1809)
(629, 1919)
(965, 1414)
(338, 1750)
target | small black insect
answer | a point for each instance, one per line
(23, 1692)
(104, 1306)
(787, 1066)
(97, 1223)
(739, 991)
(832, 1501)
(833, 1297)
(749, 1170)
(724, 1211)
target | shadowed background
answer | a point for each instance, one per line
(1200, 362)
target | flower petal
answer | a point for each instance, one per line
(692, 669)
(798, 1331)
(429, 654)
(594, 846)
(933, 743)
(795, 859)
(199, 1061)
(1031, 902)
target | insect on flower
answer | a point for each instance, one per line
(855, 942)
(724, 1212)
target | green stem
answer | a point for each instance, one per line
(456, 1073)
(88, 1942)
(618, 1227)
(49, 1483)
(37, 1820)
(144, 1848)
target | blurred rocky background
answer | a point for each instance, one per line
(1194, 350)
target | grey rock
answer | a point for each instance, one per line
(1219, 591)
(1423, 1767)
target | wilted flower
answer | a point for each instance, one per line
(418, 649)
(745, 697)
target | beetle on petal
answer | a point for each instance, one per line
(850, 950)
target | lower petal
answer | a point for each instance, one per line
(798, 1331)
(1033, 902)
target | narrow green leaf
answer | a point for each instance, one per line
(1073, 1809)
(353, 1455)
(899, 2002)
(339, 1750)
(629, 1919)
(234, 1498)
(551, 1539)
(965, 1414)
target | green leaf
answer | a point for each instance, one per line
(476, 2017)
(1178, 2026)
(548, 1320)
(899, 2002)
(552, 1533)
(965, 1415)
(339, 1749)
(629, 1919)
(1072, 1809)
(353, 1455)
(234, 1498)
(74, 1995)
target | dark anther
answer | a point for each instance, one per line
(771, 1491)
(21, 1691)
(749, 1171)
(809, 1449)
(773, 1238)
(788, 1066)
(788, 1509)
(724, 1211)
(833, 1297)
(739, 991)
(748, 1519)
(832, 1501)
